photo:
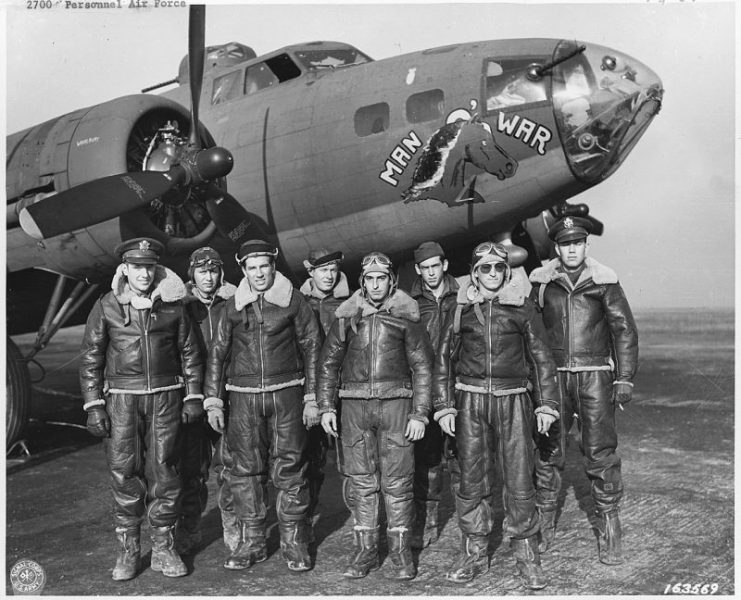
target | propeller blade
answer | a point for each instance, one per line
(96, 201)
(230, 218)
(196, 55)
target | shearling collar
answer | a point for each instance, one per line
(341, 290)
(511, 294)
(279, 293)
(167, 286)
(226, 290)
(597, 272)
(419, 288)
(399, 304)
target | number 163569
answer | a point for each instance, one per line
(698, 589)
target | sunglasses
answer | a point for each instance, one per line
(487, 267)
(490, 248)
(376, 257)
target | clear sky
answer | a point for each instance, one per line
(668, 211)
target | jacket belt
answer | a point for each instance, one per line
(583, 363)
(494, 386)
(265, 388)
(269, 381)
(379, 389)
(138, 385)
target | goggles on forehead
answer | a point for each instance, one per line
(490, 248)
(377, 258)
(486, 268)
(206, 262)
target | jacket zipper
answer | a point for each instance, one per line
(373, 348)
(259, 345)
(147, 353)
(488, 349)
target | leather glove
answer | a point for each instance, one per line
(192, 412)
(98, 422)
(311, 414)
(216, 419)
(622, 393)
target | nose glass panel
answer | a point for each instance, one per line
(603, 102)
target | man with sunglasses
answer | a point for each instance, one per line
(272, 339)
(207, 296)
(379, 355)
(435, 291)
(488, 348)
(595, 343)
(325, 289)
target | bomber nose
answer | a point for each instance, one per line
(604, 100)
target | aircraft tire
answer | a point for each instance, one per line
(18, 382)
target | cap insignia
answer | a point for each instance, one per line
(144, 245)
(568, 223)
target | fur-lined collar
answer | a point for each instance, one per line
(341, 290)
(167, 286)
(226, 290)
(511, 294)
(419, 288)
(399, 304)
(279, 293)
(598, 272)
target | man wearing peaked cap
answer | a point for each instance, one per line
(595, 344)
(139, 353)
(272, 338)
(325, 289)
(435, 291)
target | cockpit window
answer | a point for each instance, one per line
(226, 87)
(258, 77)
(425, 106)
(283, 67)
(314, 60)
(507, 84)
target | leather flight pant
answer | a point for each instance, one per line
(266, 434)
(195, 461)
(587, 395)
(222, 464)
(316, 455)
(428, 464)
(379, 457)
(142, 454)
(489, 427)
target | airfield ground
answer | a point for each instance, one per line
(676, 442)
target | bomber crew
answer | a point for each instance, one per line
(325, 289)
(435, 292)
(207, 296)
(595, 343)
(378, 353)
(139, 353)
(488, 348)
(274, 340)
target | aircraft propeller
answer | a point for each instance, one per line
(106, 198)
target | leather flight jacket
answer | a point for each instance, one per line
(139, 351)
(274, 340)
(432, 310)
(590, 325)
(324, 307)
(489, 346)
(376, 353)
(206, 314)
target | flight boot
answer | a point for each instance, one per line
(251, 548)
(294, 545)
(547, 519)
(365, 558)
(128, 558)
(473, 560)
(611, 539)
(425, 530)
(230, 526)
(188, 535)
(164, 557)
(528, 562)
(399, 564)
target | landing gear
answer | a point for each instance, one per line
(19, 394)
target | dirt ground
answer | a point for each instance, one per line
(676, 443)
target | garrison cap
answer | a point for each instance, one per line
(205, 257)
(256, 248)
(321, 257)
(140, 251)
(569, 229)
(428, 250)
